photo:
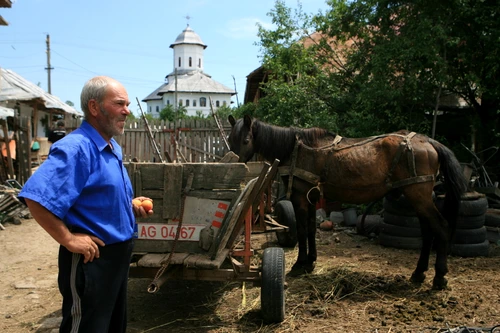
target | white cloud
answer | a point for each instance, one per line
(244, 28)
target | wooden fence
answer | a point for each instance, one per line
(181, 141)
(186, 140)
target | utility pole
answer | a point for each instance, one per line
(237, 101)
(48, 64)
(176, 107)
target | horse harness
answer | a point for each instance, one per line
(405, 146)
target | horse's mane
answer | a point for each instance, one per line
(278, 142)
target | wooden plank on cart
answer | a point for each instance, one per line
(189, 260)
(210, 176)
(214, 186)
(234, 225)
(172, 189)
(254, 200)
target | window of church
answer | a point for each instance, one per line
(194, 102)
(150, 109)
(179, 61)
(217, 104)
(180, 102)
(199, 63)
(168, 102)
(224, 103)
(190, 62)
(203, 101)
(157, 108)
(187, 102)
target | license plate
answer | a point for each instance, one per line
(160, 231)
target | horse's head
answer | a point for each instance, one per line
(241, 138)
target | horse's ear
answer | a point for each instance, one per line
(247, 120)
(231, 119)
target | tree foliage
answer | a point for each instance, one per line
(364, 67)
(169, 113)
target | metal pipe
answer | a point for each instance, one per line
(156, 284)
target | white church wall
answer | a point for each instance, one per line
(186, 51)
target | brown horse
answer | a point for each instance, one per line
(357, 171)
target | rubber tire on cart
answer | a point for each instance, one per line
(272, 292)
(285, 215)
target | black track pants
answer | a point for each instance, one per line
(95, 294)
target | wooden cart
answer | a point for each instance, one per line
(202, 226)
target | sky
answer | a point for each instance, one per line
(130, 40)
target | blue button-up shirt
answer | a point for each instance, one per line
(84, 183)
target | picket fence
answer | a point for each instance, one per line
(185, 140)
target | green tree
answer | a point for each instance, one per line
(296, 90)
(169, 113)
(378, 66)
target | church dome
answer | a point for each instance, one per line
(188, 36)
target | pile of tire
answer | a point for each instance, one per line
(470, 234)
(400, 227)
(492, 225)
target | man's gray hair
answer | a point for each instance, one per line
(94, 88)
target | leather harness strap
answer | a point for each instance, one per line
(292, 168)
(404, 147)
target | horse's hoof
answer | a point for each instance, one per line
(299, 269)
(439, 283)
(418, 278)
(309, 267)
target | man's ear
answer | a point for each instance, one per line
(93, 107)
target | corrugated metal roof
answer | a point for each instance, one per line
(193, 82)
(6, 112)
(14, 87)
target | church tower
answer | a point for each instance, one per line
(187, 85)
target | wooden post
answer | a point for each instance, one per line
(7, 139)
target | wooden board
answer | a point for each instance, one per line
(166, 184)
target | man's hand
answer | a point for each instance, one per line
(86, 245)
(139, 211)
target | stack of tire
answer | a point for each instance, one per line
(470, 234)
(400, 227)
(492, 225)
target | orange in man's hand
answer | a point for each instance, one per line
(136, 203)
(147, 205)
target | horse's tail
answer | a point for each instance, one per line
(455, 183)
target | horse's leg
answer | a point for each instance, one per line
(435, 228)
(311, 238)
(441, 229)
(305, 215)
(301, 216)
(418, 275)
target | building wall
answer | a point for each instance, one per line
(186, 51)
(169, 99)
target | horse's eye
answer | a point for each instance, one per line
(246, 141)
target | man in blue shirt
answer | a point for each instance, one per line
(82, 196)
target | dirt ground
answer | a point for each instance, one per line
(357, 286)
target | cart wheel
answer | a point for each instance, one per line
(286, 216)
(272, 292)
